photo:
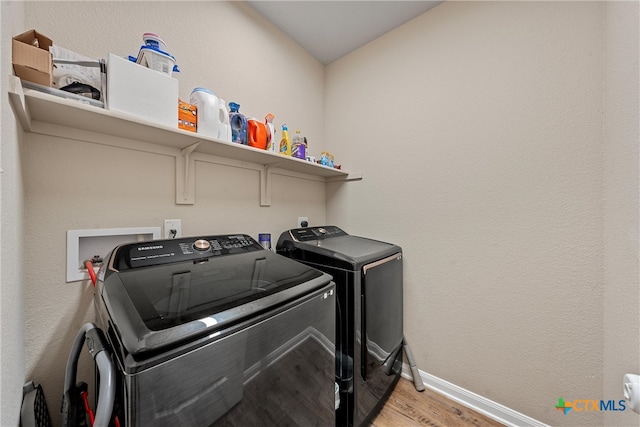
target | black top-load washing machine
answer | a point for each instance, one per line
(369, 334)
(217, 331)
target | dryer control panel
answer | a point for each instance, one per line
(315, 233)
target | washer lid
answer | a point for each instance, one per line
(162, 292)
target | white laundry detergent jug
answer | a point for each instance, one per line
(224, 131)
(208, 106)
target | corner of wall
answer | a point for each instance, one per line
(12, 365)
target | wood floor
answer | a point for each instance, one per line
(407, 407)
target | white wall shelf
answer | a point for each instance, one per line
(36, 111)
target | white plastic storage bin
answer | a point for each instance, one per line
(142, 92)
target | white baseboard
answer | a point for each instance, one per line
(489, 408)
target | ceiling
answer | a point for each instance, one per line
(329, 30)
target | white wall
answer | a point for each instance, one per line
(72, 184)
(12, 341)
(479, 129)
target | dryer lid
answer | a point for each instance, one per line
(331, 246)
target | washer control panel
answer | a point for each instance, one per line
(156, 252)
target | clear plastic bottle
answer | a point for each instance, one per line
(285, 142)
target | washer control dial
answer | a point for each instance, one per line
(201, 245)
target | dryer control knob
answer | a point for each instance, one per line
(201, 245)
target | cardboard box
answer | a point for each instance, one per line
(31, 58)
(187, 116)
(141, 91)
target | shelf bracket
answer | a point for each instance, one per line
(265, 185)
(18, 103)
(185, 176)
